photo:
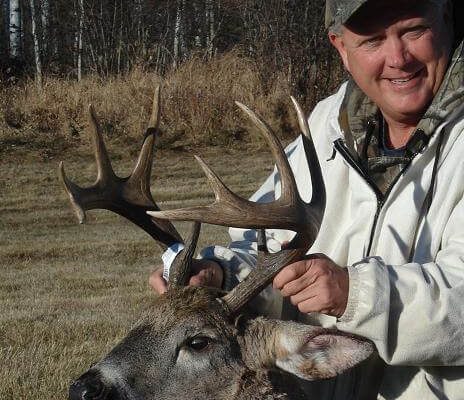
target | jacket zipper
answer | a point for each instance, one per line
(339, 145)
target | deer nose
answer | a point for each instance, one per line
(89, 387)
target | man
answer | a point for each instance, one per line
(388, 263)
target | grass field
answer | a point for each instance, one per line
(69, 292)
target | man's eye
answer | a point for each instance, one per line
(416, 31)
(199, 343)
(372, 42)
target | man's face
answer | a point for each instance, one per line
(397, 54)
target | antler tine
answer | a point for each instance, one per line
(302, 121)
(226, 210)
(142, 169)
(180, 269)
(129, 197)
(220, 190)
(104, 169)
(288, 184)
(72, 189)
(287, 212)
(318, 195)
(155, 110)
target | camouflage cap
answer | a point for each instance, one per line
(339, 11)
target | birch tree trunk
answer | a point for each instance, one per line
(15, 30)
(45, 19)
(120, 39)
(35, 38)
(176, 36)
(211, 27)
(198, 18)
(183, 30)
(5, 27)
(80, 28)
(138, 19)
(178, 33)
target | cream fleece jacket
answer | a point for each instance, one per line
(407, 294)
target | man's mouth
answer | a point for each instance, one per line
(403, 80)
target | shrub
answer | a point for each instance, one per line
(197, 106)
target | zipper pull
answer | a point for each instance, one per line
(332, 157)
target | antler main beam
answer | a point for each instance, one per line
(130, 196)
(287, 212)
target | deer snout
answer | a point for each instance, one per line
(90, 386)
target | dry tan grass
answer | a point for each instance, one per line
(68, 293)
(198, 107)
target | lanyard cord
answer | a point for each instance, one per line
(429, 196)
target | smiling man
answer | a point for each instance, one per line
(388, 263)
(398, 58)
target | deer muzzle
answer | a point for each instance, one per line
(91, 386)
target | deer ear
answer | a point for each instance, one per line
(315, 353)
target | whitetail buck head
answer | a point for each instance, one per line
(198, 343)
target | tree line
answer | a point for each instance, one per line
(106, 37)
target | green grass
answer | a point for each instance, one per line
(69, 292)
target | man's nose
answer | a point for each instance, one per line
(91, 387)
(397, 53)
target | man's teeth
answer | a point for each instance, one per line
(401, 80)
(404, 80)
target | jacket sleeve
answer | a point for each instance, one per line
(413, 313)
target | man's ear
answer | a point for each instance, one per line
(337, 41)
(315, 353)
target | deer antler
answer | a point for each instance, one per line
(182, 264)
(130, 196)
(287, 212)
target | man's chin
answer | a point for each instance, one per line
(407, 109)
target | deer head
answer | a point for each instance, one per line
(198, 343)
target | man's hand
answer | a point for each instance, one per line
(316, 284)
(204, 273)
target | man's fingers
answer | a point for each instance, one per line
(310, 305)
(303, 295)
(290, 273)
(202, 278)
(203, 273)
(157, 281)
(293, 287)
(206, 273)
(195, 280)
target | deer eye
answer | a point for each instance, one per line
(198, 343)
